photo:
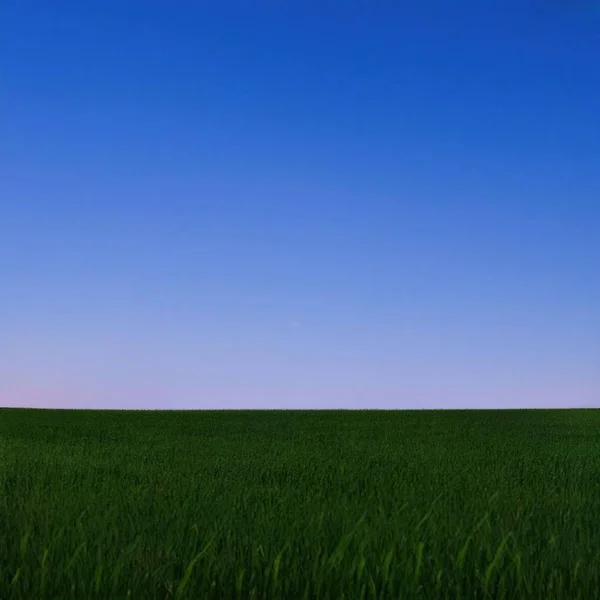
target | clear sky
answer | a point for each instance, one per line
(300, 204)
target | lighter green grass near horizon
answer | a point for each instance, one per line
(293, 504)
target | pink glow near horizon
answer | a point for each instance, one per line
(232, 398)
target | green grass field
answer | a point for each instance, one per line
(331, 504)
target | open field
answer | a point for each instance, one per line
(454, 504)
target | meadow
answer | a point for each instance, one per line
(293, 504)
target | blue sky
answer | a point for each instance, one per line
(300, 204)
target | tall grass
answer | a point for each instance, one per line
(456, 504)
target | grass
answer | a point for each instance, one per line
(366, 504)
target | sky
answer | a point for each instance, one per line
(300, 204)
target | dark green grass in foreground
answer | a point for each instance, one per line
(496, 504)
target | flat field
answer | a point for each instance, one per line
(293, 504)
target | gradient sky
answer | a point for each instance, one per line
(300, 204)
